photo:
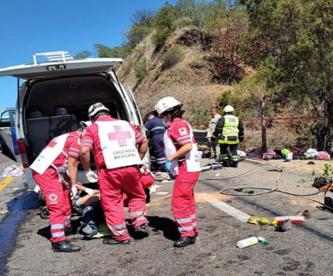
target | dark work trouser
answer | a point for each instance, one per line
(224, 154)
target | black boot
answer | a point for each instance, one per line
(141, 231)
(184, 241)
(69, 231)
(112, 241)
(226, 163)
(65, 246)
(147, 192)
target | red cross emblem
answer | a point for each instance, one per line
(120, 136)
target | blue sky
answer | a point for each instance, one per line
(32, 26)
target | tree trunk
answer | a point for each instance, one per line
(263, 125)
(329, 112)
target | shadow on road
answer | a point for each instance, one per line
(166, 225)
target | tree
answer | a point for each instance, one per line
(142, 26)
(136, 34)
(299, 55)
(251, 98)
(226, 57)
(163, 24)
(105, 51)
(82, 55)
(143, 17)
(186, 8)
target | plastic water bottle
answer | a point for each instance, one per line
(216, 166)
(247, 242)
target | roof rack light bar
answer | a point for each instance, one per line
(53, 56)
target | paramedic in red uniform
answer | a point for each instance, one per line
(118, 148)
(60, 156)
(183, 163)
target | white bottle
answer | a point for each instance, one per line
(247, 242)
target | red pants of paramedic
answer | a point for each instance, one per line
(112, 184)
(183, 202)
(56, 196)
(146, 179)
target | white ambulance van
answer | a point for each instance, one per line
(54, 93)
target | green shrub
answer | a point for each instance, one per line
(171, 57)
(182, 22)
(141, 69)
(136, 34)
(160, 36)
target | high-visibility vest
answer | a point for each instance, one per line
(230, 130)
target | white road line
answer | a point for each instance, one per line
(243, 217)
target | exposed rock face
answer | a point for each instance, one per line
(189, 80)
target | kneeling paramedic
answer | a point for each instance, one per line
(49, 171)
(230, 132)
(184, 164)
(118, 148)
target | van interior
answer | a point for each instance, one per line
(56, 106)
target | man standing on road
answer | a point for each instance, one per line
(49, 170)
(230, 132)
(184, 164)
(155, 132)
(213, 141)
(118, 148)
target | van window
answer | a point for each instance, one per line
(72, 96)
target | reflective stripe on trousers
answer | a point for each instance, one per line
(118, 230)
(183, 202)
(57, 231)
(138, 217)
(187, 224)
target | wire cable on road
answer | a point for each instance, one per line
(243, 190)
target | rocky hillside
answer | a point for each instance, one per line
(190, 79)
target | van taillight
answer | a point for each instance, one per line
(23, 153)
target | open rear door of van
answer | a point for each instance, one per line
(59, 64)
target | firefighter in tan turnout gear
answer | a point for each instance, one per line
(230, 132)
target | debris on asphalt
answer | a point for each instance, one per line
(251, 241)
(293, 219)
(247, 242)
(212, 166)
(305, 213)
(3, 211)
(12, 170)
(262, 221)
(284, 226)
(160, 176)
(263, 241)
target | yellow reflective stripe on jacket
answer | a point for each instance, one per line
(230, 130)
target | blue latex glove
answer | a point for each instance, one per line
(167, 165)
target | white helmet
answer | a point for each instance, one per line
(95, 108)
(165, 104)
(228, 108)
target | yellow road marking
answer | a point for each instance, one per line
(5, 182)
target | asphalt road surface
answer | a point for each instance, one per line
(306, 249)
